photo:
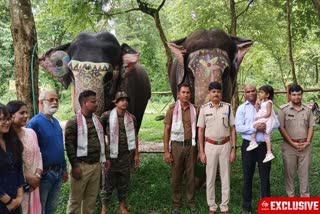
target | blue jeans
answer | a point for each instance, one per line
(50, 186)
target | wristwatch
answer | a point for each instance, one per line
(234, 147)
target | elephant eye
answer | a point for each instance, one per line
(59, 63)
(60, 60)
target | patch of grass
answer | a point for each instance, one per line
(150, 190)
(151, 130)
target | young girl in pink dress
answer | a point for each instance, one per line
(265, 115)
(31, 156)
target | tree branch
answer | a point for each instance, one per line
(161, 5)
(117, 13)
(245, 10)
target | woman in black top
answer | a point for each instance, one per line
(11, 174)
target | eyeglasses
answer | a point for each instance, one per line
(5, 120)
(51, 100)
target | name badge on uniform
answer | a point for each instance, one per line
(208, 114)
(290, 115)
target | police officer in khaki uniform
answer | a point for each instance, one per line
(180, 130)
(216, 128)
(296, 126)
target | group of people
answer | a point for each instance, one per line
(102, 150)
(215, 127)
(33, 165)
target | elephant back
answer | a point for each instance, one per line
(97, 48)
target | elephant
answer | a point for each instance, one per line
(205, 56)
(97, 61)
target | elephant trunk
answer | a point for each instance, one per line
(207, 66)
(90, 76)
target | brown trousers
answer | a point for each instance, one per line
(84, 192)
(184, 161)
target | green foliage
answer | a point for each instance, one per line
(6, 48)
(59, 21)
(65, 106)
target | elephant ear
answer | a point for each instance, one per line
(178, 50)
(243, 46)
(130, 57)
(55, 61)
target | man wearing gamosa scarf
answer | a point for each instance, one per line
(121, 130)
(180, 129)
(85, 146)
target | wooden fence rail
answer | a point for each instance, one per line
(241, 91)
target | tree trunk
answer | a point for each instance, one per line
(233, 32)
(24, 36)
(317, 72)
(316, 4)
(163, 40)
(293, 72)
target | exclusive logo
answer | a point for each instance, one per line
(289, 205)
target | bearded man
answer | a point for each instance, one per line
(50, 139)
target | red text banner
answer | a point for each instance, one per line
(288, 205)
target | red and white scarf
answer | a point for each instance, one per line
(82, 140)
(177, 130)
(114, 132)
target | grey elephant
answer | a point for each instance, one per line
(205, 56)
(98, 62)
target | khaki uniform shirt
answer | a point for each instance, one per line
(215, 120)
(186, 120)
(296, 123)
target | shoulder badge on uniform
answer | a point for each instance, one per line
(207, 104)
(284, 106)
(224, 103)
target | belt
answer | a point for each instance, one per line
(225, 140)
(183, 143)
(299, 140)
(52, 167)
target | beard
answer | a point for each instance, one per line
(50, 109)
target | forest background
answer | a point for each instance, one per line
(285, 34)
(285, 50)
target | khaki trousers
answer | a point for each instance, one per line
(292, 159)
(83, 193)
(184, 162)
(218, 154)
